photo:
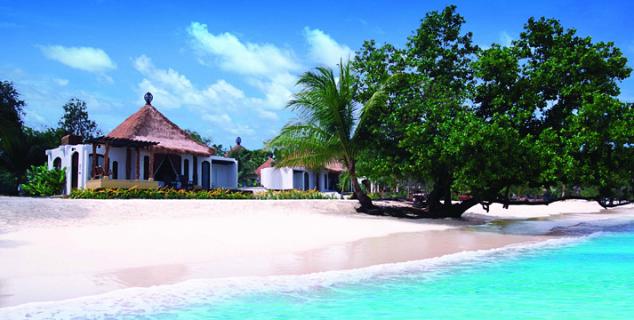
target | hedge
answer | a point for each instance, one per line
(169, 193)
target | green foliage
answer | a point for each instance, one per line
(208, 141)
(344, 182)
(290, 195)
(542, 112)
(76, 121)
(20, 146)
(11, 111)
(248, 161)
(388, 195)
(8, 182)
(327, 128)
(199, 138)
(44, 182)
(169, 193)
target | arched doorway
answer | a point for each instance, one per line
(306, 181)
(186, 169)
(57, 163)
(74, 172)
(205, 166)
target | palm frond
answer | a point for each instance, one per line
(305, 145)
(378, 99)
(326, 114)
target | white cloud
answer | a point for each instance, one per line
(45, 95)
(82, 58)
(61, 82)
(244, 58)
(268, 115)
(224, 121)
(505, 39)
(323, 49)
(212, 104)
(266, 67)
(176, 90)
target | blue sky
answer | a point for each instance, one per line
(226, 70)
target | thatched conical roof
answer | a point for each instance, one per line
(148, 124)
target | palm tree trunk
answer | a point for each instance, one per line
(364, 200)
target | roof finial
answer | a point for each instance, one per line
(148, 98)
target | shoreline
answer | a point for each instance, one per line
(156, 299)
(61, 249)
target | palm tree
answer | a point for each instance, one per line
(327, 128)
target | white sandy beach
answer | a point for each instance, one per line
(53, 249)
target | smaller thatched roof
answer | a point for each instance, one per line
(267, 164)
(148, 124)
(335, 166)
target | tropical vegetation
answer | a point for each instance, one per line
(472, 124)
(76, 121)
(536, 120)
(43, 182)
(542, 112)
(327, 128)
(170, 193)
(22, 147)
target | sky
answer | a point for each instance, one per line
(227, 69)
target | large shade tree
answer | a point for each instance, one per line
(327, 128)
(541, 113)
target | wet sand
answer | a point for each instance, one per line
(394, 248)
(54, 249)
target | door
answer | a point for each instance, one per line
(306, 181)
(74, 171)
(222, 174)
(297, 180)
(205, 167)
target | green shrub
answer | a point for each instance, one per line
(44, 182)
(290, 195)
(169, 193)
(388, 195)
(8, 182)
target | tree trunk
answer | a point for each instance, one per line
(447, 193)
(451, 211)
(364, 200)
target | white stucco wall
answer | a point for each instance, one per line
(282, 178)
(221, 175)
(65, 152)
(273, 179)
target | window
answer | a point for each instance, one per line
(146, 167)
(115, 170)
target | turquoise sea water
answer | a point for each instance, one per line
(587, 277)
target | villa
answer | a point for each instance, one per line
(300, 178)
(146, 150)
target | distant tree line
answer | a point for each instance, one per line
(248, 160)
(22, 146)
